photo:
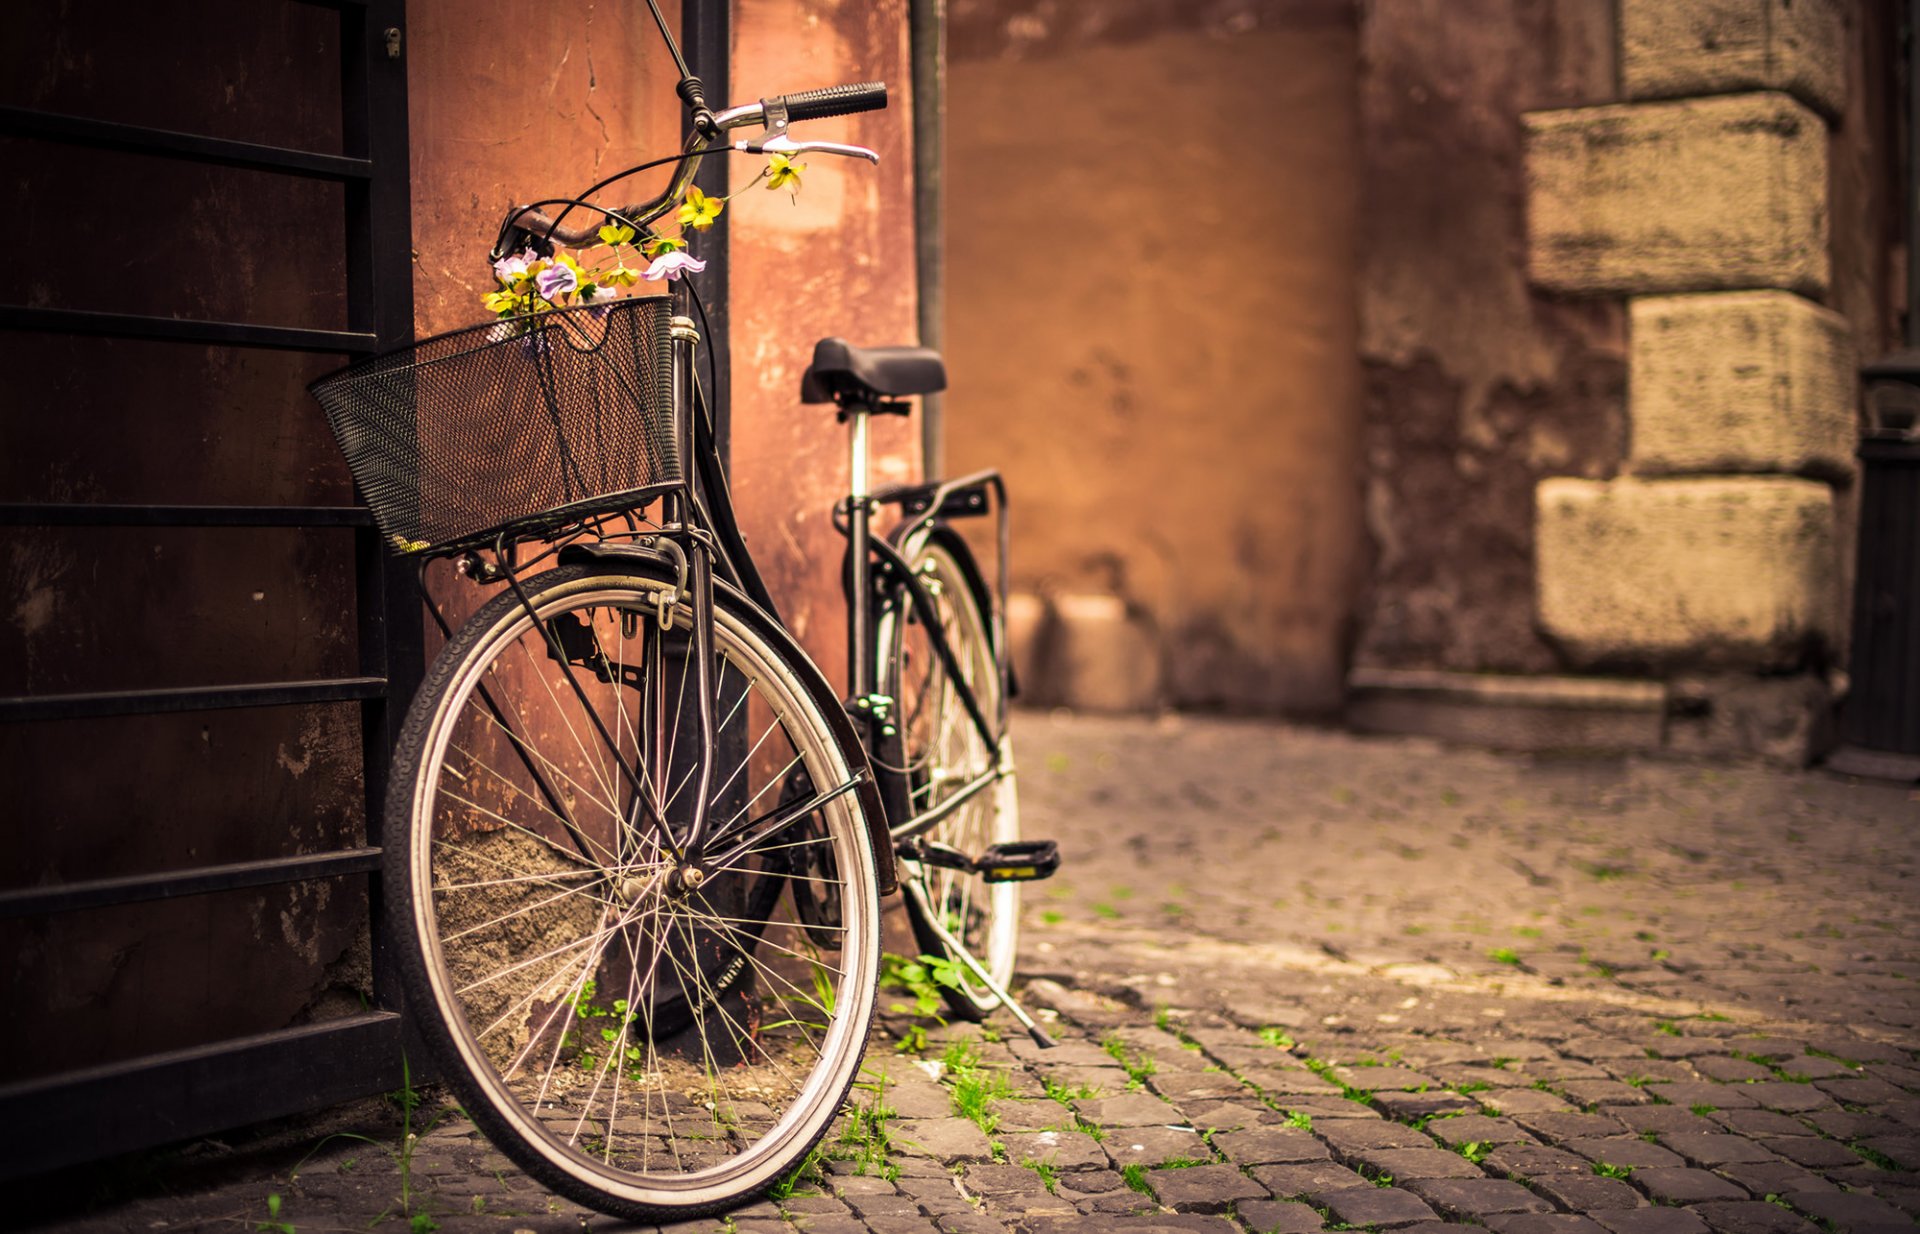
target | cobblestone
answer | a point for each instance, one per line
(1652, 1221)
(1753, 1217)
(1474, 1199)
(1753, 1034)
(1685, 1186)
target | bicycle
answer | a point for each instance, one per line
(635, 845)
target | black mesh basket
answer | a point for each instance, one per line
(520, 426)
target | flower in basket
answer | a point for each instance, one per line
(670, 265)
(528, 283)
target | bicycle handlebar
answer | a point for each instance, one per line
(524, 223)
(834, 101)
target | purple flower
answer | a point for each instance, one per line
(671, 265)
(557, 279)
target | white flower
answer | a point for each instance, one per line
(671, 265)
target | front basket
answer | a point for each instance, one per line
(520, 426)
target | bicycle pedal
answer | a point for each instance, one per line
(1023, 861)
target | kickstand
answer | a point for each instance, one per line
(979, 970)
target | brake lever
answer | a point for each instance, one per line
(782, 144)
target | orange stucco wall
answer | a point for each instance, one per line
(837, 262)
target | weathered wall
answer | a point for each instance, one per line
(1727, 217)
(1477, 383)
(1151, 231)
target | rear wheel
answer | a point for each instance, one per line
(946, 754)
(642, 1039)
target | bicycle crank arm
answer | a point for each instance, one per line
(979, 970)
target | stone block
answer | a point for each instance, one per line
(1507, 712)
(1741, 381)
(1709, 194)
(1736, 571)
(1676, 48)
(1029, 626)
(1103, 657)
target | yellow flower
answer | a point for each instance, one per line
(699, 210)
(782, 171)
(664, 244)
(615, 233)
(500, 301)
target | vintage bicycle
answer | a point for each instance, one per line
(635, 845)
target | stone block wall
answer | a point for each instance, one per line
(1705, 200)
(1690, 195)
(1759, 381)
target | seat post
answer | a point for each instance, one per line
(859, 657)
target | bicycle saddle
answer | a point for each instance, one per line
(840, 371)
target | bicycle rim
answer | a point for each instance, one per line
(640, 1045)
(945, 753)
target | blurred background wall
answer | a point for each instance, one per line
(1483, 369)
(1152, 249)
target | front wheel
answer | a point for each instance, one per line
(947, 754)
(642, 1039)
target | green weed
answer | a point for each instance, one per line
(923, 978)
(1049, 1174)
(1138, 1066)
(1607, 1169)
(1504, 955)
(1873, 1156)
(273, 1224)
(808, 1174)
(1067, 1095)
(407, 1099)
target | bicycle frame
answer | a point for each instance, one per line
(922, 506)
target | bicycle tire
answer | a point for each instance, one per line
(503, 917)
(945, 751)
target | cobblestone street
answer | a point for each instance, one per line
(1309, 981)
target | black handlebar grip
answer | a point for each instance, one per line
(836, 100)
